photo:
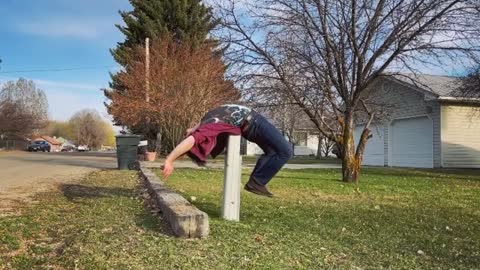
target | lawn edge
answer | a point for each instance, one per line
(186, 220)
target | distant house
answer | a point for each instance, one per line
(55, 145)
(65, 143)
(428, 125)
(305, 137)
(13, 142)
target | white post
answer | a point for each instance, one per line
(232, 180)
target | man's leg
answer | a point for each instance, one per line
(277, 151)
(255, 186)
(263, 159)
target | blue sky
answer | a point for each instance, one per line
(61, 34)
(69, 34)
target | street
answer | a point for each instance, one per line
(23, 174)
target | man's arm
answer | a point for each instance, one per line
(191, 130)
(181, 149)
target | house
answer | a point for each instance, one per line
(65, 144)
(305, 137)
(55, 146)
(13, 142)
(428, 124)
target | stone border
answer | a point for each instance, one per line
(184, 218)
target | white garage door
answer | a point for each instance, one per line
(374, 150)
(412, 143)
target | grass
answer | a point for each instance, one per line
(294, 160)
(315, 222)
(300, 160)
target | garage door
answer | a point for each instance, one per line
(412, 143)
(374, 150)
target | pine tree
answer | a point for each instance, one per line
(185, 20)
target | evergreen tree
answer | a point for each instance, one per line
(184, 20)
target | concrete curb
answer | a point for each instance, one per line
(184, 218)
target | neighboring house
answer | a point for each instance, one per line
(305, 136)
(306, 141)
(13, 142)
(428, 125)
(307, 146)
(55, 145)
(65, 143)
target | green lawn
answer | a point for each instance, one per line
(294, 160)
(314, 222)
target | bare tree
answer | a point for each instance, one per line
(326, 146)
(186, 82)
(88, 128)
(23, 108)
(469, 86)
(327, 53)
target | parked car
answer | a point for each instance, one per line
(39, 146)
(68, 148)
(82, 148)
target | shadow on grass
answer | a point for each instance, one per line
(312, 178)
(212, 210)
(150, 222)
(145, 219)
(461, 174)
(75, 191)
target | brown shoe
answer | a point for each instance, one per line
(253, 187)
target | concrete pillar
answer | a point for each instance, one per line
(232, 180)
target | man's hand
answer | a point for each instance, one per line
(181, 149)
(167, 169)
(189, 132)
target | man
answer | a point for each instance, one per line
(209, 137)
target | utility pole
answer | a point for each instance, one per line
(147, 69)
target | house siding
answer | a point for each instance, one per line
(405, 102)
(437, 139)
(385, 146)
(460, 129)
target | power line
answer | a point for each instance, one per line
(55, 69)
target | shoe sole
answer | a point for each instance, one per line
(254, 191)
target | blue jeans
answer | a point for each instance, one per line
(277, 151)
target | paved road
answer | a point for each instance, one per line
(23, 173)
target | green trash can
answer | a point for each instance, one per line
(127, 147)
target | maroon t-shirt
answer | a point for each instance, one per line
(211, 139)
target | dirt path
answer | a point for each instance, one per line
(23, 174)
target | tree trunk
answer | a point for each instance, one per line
(350, 163)
(158, 143)
(319, 147)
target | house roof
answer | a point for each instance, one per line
(440, 86)
(48, 139)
